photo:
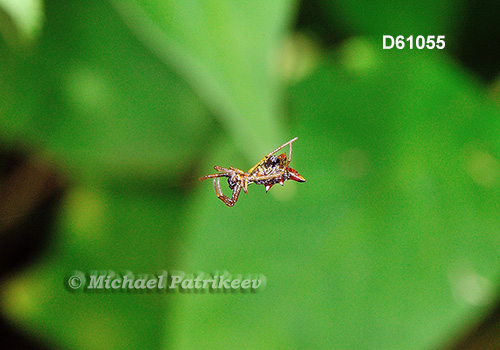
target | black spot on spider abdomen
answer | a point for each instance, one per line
(272, 161)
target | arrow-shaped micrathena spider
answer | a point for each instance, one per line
(270, 171)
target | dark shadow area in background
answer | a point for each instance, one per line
(476, 44)
(13, 339)
(485, 336)
(24, 238)
(478, 39)
(312, 19)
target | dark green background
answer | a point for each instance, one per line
(392, 243)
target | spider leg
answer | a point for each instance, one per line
(280, 147)
(245, 185)
(236, 194)
(225, 172)
(228, 170)
(211, 176)
(228, 201)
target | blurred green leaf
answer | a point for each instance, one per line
(99, 230)
(16, 105)
(391, 242)
(228, 51)
(101, 104)
(21, 20)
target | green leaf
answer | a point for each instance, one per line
(100, 103)
(21, 20)
(99, 230)
(393, 240)
(227, 50)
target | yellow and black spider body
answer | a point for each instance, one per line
(274, 170)
(270, 171)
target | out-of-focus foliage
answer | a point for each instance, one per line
(100, 230)
(387, 231)
(227, 49)
(392, 243)
(100, 102)
(21, 20)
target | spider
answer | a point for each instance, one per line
(269, 171)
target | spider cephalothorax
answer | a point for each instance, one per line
(269, 171)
